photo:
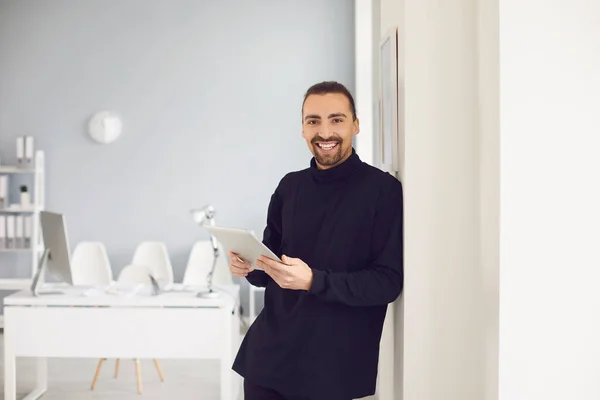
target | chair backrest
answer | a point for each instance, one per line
(200, 262)
(135, 274)
(155, 256)
(90, 265)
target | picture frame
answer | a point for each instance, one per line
(387, 143)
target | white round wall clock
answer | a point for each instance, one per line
(105, 127)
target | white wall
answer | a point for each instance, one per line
(448, 88)
(443, 332)
(542, 271)
(392, 15)
(371, 24)
(489, 187)
(195, 83)
(387, 14)
(550, 197)
(440, 334)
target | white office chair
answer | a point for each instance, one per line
(90, 265)
(135, 274)
(155, 256)
(200, 262)
(131, 275)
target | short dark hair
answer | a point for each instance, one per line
(327, 87)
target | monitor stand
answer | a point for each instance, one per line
(156, 290)
(37, 283)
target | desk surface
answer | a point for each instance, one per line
(75, 297)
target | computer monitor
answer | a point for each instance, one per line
(56, 258)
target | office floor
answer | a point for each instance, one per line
(70, 379)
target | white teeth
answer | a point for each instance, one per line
(327, 146)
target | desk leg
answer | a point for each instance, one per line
(227, 357)
(41, 380)
(10, 370)
(42, 375)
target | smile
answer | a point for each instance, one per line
(327, 146)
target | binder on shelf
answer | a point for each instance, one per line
(20, 150)
(29, 150)
(2, 232)
(10, 231)
(27, 227)
(19, 231)
(3, 191)
(19, 221)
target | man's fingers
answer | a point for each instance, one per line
(269, 262)
(268, 270)
(240, 269)
(280, 272)
(237, 266)
(234, 257)
(231, 255)
(288, 260)
(272, 267)
(274, 273)
(235, 260)
(240, 264)
(239, 272)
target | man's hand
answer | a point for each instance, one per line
(293, 273)
(237, 266)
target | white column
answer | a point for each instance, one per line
(550, 200)
(489, 181)
(367, 49)
(443, 329)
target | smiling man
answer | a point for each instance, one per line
(337, 226)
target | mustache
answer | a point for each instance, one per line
(318, 138)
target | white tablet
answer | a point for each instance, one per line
(242, 242)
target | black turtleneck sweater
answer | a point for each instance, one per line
(346, 224)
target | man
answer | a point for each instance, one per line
(337, 226)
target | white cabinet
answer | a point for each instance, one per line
(28, 217)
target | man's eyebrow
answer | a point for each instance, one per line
(334, 115)
(312, 116)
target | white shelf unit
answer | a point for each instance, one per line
(37, 204)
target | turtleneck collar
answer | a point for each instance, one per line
(340, 171)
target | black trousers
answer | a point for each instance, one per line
(256, 392)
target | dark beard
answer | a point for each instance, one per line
(328, 159)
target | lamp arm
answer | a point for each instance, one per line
(204, 216)
(213, 240)
(209, 277)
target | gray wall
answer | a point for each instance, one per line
(209, 92)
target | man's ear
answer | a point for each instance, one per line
(356, 127)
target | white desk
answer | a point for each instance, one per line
(167, 326)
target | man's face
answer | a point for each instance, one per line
(328, 128)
